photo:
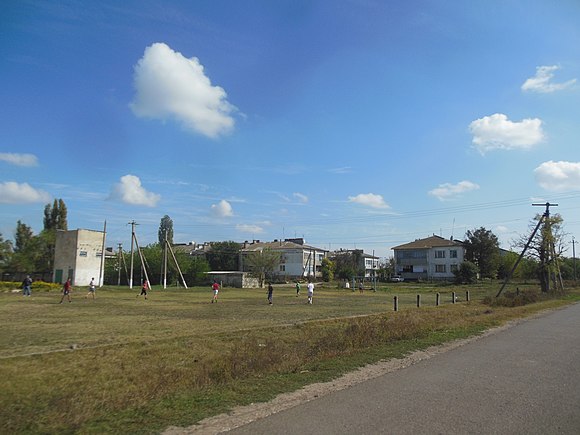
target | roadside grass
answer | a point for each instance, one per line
(123, 364)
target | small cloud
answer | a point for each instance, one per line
(449, 191)
(19, 159)
(343, 170)
(130, 191)
(300, 197)
(558, 176)
(542, 81)
(21, 193)
(369, 200)
(222, 209)
(252, 229)
(169, 85)
(498, 132)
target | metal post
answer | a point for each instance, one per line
(438, 299)
(453, 297)
(396, 303)
(418, 301)
(467, 295)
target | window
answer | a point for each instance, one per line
(439, 254)
(282, 268)
(440, 268)
(453, 253)
(82, 253)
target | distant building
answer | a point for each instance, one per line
(432, 258)
(365, 262)
(297, 259)
(77, 255)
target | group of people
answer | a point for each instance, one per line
(66, 289)
(309, 289)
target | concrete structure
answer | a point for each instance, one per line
(77, 255)
(432, 258)
(234, 279)
(297, 260)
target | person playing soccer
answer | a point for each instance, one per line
(144, 288)
(92, 289)
(216, 289)
(66, 289)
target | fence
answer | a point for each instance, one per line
(438, 301)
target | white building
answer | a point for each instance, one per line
(429, 259)
(77, 255)
(297, 260)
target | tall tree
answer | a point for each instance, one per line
(224, 256)
(55, 216)
(22, 237)
(262, 263)
(482, 249)
(5, 253)
(165, 231)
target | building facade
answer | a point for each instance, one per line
(433, 258)
(297, 260)
(77, 255)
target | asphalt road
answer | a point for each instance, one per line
(524, 380)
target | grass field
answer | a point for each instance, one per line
(124, 364)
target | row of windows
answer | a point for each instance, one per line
(441, 253)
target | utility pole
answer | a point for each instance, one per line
(119, 263)
(574, 257)
(102, 267)
(133, 223)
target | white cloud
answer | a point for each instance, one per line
(448, 191)
(252, 229)
(342, 170)
(369, 200)
(542, 81)
(130, 191)
(558, 176)
(19, 159)
(498, 132)
(300, 197)
(21, 193)
(170, 85)
(222, 209)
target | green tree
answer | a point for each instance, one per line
(466, 273)
(22, 237)
(482, 248)
(262, 263)
(165, 230)
(6, 253)
(327, 270)
(348, 264)
(224, 256)
(55, 216)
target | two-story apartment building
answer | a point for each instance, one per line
(428, 259)
(297, 259)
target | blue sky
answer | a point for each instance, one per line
(353, 124)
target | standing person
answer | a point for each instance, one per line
(270, 293)
(144, 288)
(216, 289)
(310, 288)
(92, 289)
(27, 286)
(361, 287)
(66, 289)
(297, 288)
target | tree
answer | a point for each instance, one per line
(466, 273)
(348, 264)
(262, 263)
(482, 248)
(55, 217)
(224, 256)
(22, 237)
(5, 253)
(165, 230)
(327, 270)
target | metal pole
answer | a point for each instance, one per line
(132, 251)
(102, 268)
(574, 257)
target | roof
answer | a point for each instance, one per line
(280, 245)
(430, 242)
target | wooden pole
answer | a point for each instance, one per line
(102, 267)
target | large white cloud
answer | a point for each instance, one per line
(130, 191)
(369, 200)
(21, 193)
(448, 191)
(19, 159)
(222, 209)
(169, 85)
(542, 81)
(498, 132)
(558, 176)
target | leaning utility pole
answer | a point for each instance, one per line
(574, 257)
(133, 223)
(545, 217)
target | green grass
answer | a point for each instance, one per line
(123, 364)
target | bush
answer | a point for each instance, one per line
(41, 286)
(514, 299)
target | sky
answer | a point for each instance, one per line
(351, 123)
